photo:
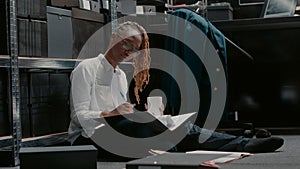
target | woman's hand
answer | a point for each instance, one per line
(161, 109)
(124, 108)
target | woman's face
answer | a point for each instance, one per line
(126, 48)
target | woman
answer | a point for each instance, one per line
(99, 88)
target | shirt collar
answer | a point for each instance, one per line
(107, 66)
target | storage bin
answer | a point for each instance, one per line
(64, 3)
(60, 33)
(92, 22)
(3, 29)
(34, 9)
(219, 12)
(44, 103)
(4, 114)
(49, 103)
(32, 38)
(69, 24)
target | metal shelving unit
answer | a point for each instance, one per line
(4, 61)
(38, 65)
(13, 63)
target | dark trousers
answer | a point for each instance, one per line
(216, 141)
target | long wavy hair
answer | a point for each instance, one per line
(141, 63)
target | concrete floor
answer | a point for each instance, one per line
(287, 157)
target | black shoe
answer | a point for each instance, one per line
(262, 133)
(263, 145)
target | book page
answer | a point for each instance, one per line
(172, 122)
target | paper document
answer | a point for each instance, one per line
(230, 156)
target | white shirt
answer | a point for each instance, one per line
(96, 87)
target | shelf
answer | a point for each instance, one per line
(47, 63)
(259, 24)
(40, 63)
(5, 141)
(45, 140)
(43, 63)
(4, 61)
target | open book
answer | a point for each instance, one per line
(160, 123)
(172, 122)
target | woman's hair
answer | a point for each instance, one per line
(141, 63)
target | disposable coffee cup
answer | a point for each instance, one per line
(154, 103)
